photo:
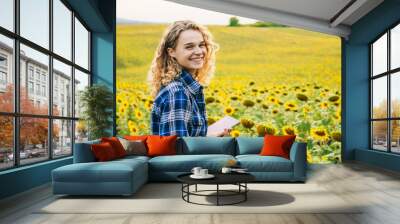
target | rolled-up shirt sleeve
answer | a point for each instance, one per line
(175, 114)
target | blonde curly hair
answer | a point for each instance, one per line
(164, 69)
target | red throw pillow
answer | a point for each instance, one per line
(277, 145)
(103, 151)
(161, 145)
(116, 145)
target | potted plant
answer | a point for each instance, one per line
(96, 102)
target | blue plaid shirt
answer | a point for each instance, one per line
(179, 108)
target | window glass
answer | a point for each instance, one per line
(62, 138)
(395, 47)
(379, 135)
(395, 95)
(6, 74)
(81, 131)
(81, 45)
(62, 29)
(62, 91)
(33, 140)
(379, 97)
(39, 62)
(6, 142)
(34, 21)
(7, 14)
(395, 136)
(379, 56)
(81, 81)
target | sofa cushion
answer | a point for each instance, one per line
(277, 145)
(116, 145)
(249, 145)
(206, 145)
(134, 147)
(185, 163)
(112, 171)
(161, 145)
(257, 163)
(103, 151)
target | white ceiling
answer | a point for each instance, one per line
(326, 16)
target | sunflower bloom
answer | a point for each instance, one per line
(319, 134)
(235, 133)
(229, 110)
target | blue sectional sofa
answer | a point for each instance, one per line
(125, 176)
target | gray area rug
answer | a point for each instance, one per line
(166, 198)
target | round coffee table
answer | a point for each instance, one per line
(238, 179)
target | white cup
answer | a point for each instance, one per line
(203, 172)
(196, 170)
(226, 170)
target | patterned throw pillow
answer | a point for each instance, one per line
(134, 147)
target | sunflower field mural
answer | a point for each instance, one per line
(275, 80)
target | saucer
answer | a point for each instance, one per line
(208, 176)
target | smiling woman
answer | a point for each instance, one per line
(183, 63)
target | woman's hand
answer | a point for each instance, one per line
(225, 133)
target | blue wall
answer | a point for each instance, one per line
(99, 16)
(356, 99)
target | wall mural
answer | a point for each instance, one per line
(274, 79)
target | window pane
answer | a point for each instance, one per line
(81, 45)
(379, 55)
(34, 80)
(62, 138)
(395, 94)
(6, 142)
(62, 29)
(379, 135)
(6, 74)
(81, 131)
(62, 89)
(35, 21)
(395, 47)
(379, 97)
(81, 81)
(395, 136)
(33, 139)
(7, 14)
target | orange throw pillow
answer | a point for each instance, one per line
(103, 151)
(277, 145)
(161, 145)
(116, 145)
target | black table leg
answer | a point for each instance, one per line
(217, 194)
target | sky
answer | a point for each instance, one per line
(159, 11)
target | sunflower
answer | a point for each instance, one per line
(324, 105)
(235, 133)
(272, 99)
(248, 103)
(291, 106)
(319, 134)
(138, 114)
(275, 111)
(337, 136)
(247, 123)
(289, 130)
(262, 129)
(133, 130)
(122, 110)
(229, 110)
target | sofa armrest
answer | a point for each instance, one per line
(83, 152)
(298, 155)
